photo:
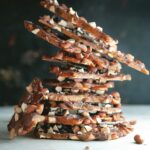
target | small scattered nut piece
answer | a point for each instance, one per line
(87, 148)
(138, 139)
(133, 122)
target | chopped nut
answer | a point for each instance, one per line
(17, 109)
(35, 31)
(86, 114)
(58, 89)
(100, 92)
(71, 11)
(112, 72)
(80, 30)
(53, 109)
(55, 128)
(45, 97)
(71, 41)
(83, 47)
(73, 137)
(83, 130)
(108, 105)
(45, 91)
(59, 126)
(63, 23)
(40, 109)
(100, 28)
(57, 28)
(74, 90)
(51, 113)
(40, 130)
(52, 9)
(51, 120)
(130, 57)
(24, 106)
(87, 121)
(88, 128)
(103, 125)
(50, 130)
(138, 139)
(93, 24)
(79, 132)
(60, 78)
(97, 54)
(81, 70)
(132, 122)
(42, 136)
(51, 21)
(114, 136)
(98, 119)
(105, 130)
(66, 112)
(56, 2)
(76, 129)
(20, 130)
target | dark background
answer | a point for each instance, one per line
(20, 52)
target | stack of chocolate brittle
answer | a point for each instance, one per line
(76, 103)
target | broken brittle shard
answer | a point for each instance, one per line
(76, 104)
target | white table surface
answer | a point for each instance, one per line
(140, 113)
